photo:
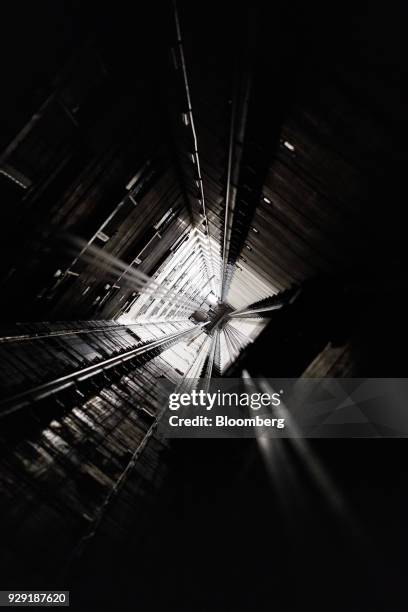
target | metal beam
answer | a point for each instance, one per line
(18, 401)
(287, 297)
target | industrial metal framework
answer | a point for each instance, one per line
(178, 191)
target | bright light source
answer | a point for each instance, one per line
(255, 230)
(211, 299)
(163, 219)
(288, 145)
(184, 117)
(267, 200)
(102, 236)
